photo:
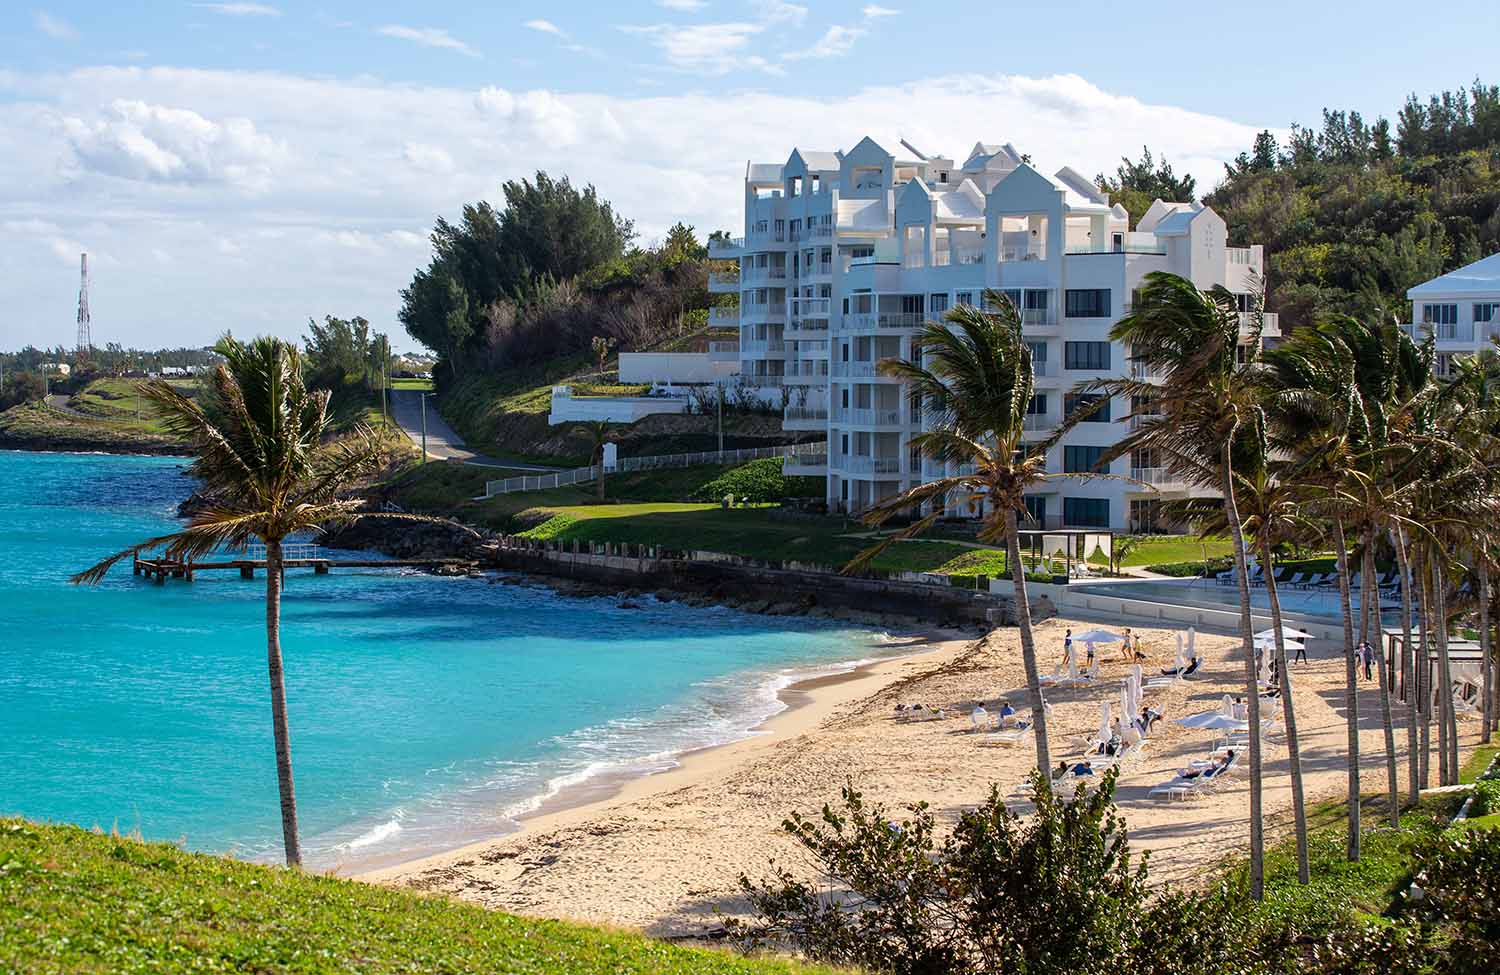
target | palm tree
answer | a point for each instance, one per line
(973, 379)
(260, 453)
(1193, 419)
(596, 433)
(1271, 502)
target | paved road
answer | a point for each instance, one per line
(442, 442)
(63, 404)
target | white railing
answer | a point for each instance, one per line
(1038, 318)
(870, 465)
(1270, 322)
(808, 460)
(729, 281)
(725, 315)
(1043, 368)
(810, 307)
(885, 320)
(856, 369)
(763, 274)
(867, 417)
(724, 350)
(762, 313)
(583, 475)
(1037, 421)
(716, 245)
(1155, 476)
(796, 414)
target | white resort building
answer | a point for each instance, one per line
(1461, 309)
(845, 254)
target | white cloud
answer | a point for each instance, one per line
(241, 9)
(685, 6)
(546, 27)
(430, 158)
(318, 183)
(135, 140)
(835, 42)
(719, 48)
(873, 11)
(54, 27)
(428, 37)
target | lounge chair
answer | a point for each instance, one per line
(1008, 736)
(982, 720)
(1182, 789)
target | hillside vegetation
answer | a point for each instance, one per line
(76, 901)
(1353, 213)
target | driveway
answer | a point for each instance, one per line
(442, 442)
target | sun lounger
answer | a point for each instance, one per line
(1007, 736)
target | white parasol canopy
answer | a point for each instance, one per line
(1104, 721)
(1287, 632)
(1098, 636)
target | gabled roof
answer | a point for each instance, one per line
(1159, 211)
(764, 173)
(1177, 223)
(965, 203)
(866, 148)
(818, 162)
(987, 155)
(1481, 277)
(1082, 185)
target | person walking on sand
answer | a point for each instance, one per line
(1067, 648)
(1139, 653)
(1301, 656)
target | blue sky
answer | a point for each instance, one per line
(245, 165)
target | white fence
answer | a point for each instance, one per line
(583, 475)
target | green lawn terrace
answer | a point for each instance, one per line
(647, 508)
(72, 900)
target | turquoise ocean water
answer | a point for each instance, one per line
(425, 712)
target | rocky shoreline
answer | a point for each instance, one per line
(475, 549)
(71, 444)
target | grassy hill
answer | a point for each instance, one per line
(76, 901)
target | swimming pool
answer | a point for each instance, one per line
(1322, 603)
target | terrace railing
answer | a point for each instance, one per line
(584, 475)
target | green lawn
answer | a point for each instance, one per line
(1478, 761)
(425, 385)
(76, 901)
(1367, 886)
(1156, 549)
(116, 401)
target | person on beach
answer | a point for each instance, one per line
(1140, 654)
(1067, 649)
(1126, 645)
(1301, 652)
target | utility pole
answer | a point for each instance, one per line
(385, 380)
(720, 387)
(424, 427)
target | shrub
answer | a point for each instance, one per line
(1055, 892)
(1458, 872)
(758, 481)
(1182, 570)
(1486, 798)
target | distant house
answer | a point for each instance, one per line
(56, 369)
(1460, 309)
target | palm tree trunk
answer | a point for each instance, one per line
(1252, 690)
(1447, 715)
(1289, 717)
(1351, 689)
(1439, 631)
(1486, 652)
(278, 706)
(1423, 666)
(1372, 601)
(1412, 712)
(1028, 648)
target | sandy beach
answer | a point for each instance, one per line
(662, 853)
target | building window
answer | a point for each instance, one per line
(1442, 365)
(1485, 312)
(1087, 302)
(1077, 402)
(911, 304)
(1038, 352)
(964, 298)
(1446, 314)
(1082, 460)
(1036, 508)
(1146, 516)
(939, 303)
(1038, 405)
(1086, 512)
(1086, 355)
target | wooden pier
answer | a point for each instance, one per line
(159, 568)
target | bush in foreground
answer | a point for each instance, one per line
(1059, 892)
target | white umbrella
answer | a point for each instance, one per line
(1104, 718)
(1192, 647)
(1288, 632)
(1285, 645)
(1224, 723)
(1127, 706)
(1205, 719)
(1099, 636)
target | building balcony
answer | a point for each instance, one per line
(868, 465)
(858, 370)
(727, 316)
(721, 283)
(726, 247)
(771, 314)
(1158, 477)
(806, 374)
(883, 321)
(761, 348)
(805, 414)
(810, 307)
(1038, 421)
(1270, 322)
(932, 470)
(1038, 318)
(868, 417)
(1144, 372)
(808, 325)
(1443, 333)
(762, 380)
(723, 351)
(762, 276)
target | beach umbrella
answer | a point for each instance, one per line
(1192, 647)
(1104, 719)
(1287, 632)
(1220, 722)
(1099, 636)
(1204, 719)
(1127, 706)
